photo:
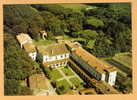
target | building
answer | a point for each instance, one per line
(92, 65)
(40, 86)
(43, 34)
(54, 55)
(31, 50)
(23, 38)
(25, 42)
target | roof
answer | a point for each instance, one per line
(110, 69)
(53, 49)
(72, 92)
(38, 81)
(59, 37)
(73, 45)
(23, 37)
(43, 32)
(94, 62)
(29, 47)
(101, 86)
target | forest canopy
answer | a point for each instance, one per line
(105, 29)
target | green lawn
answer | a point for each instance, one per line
(119, 66)
(77, 82)
(43, 42)
(67, 71)
(55, 74)
(124, 58)
(76, 7)
(62, 86)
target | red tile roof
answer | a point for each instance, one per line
(98, 65)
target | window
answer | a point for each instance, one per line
(61, 56)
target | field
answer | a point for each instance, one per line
(76, 7)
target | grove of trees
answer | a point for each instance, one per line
(106, 29)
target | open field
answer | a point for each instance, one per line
(76, 7)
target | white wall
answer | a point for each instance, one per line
(103, 77)
(33, 55)
(112, 78)
(53, 58)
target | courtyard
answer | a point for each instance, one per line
(64, 79)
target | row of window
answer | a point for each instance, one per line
(57, 57)
(58, 64)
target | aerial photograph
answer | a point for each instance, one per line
(67, 49)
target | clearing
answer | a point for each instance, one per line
(77, 7)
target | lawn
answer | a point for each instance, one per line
(123, 62)
(67, 71)
(77, 7)
(77, 82)
(62, 86)
(124, 58)
(119, 66)
(43, 42)
(55, 74)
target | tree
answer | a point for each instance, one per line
(93, 22)
(17, 66)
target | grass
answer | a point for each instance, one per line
(124, 58)
(67, 71)
(123, 61)
(43, 42)
(64, 84)
(55, 74)
(77, 82)
(66, 37)
(76, 7)
(119, 66)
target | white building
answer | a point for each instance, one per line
(31, 50)
(92, 65)
(54, 55)
(23, 38)
(26, 43)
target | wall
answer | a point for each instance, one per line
(85, 66)
(53, 58)
(112, 78)
(33, 55)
